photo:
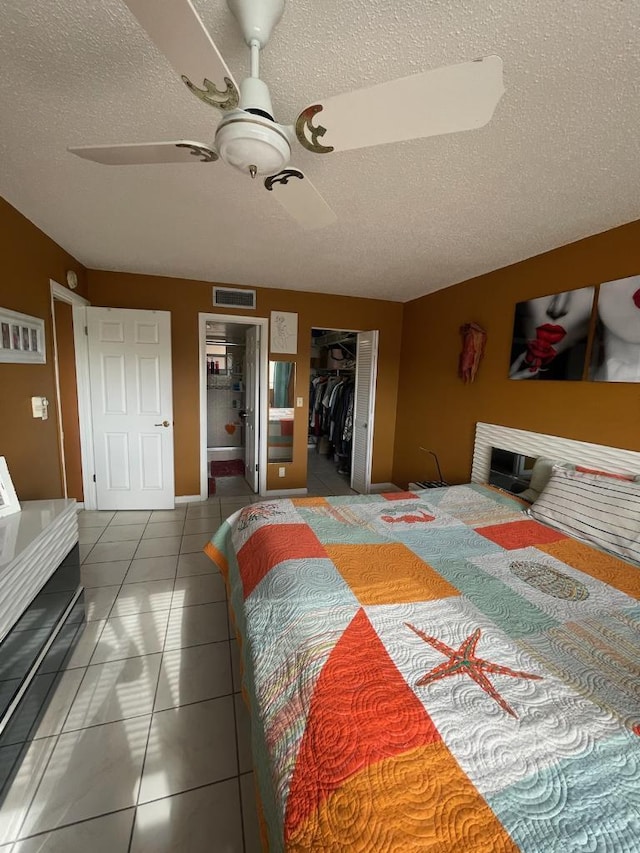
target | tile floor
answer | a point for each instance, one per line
(145, 746)
(323, 477)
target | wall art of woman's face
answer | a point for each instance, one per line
(615, 356)
(619, 308)
(547, 327)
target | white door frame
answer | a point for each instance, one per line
(352, 332)
(78, 304)
(371, 408)
(262, 394)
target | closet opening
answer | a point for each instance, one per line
(331, 410)
(232, 355)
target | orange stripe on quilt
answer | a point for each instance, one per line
(414, 802)
(388, 573)
(398, 496)
(274, 544)
(361, 712)
(313, 501)
(603, 567)
(218, 558)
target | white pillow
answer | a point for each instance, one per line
(594, 508)
(540, 476)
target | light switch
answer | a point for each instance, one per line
(40, 407)
(299, 402)
(281, 472)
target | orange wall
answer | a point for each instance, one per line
(185, 299)
(29, 260)
(436, 410)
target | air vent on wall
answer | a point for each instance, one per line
(229, 297)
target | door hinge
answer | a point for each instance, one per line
(94, 478)
(256, 466)
(86, 331)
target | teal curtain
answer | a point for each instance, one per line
(281, 379)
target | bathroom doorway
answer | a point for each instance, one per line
(232, 366)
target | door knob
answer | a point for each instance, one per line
(164, 424)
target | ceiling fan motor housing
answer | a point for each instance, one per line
(245, 140)
(255, 97)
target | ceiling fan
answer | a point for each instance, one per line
(444, 100)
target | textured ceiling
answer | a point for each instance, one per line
(559, 160)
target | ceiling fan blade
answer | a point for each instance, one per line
(300, 199)
(176, 29)
(141, 153)
(444, 100)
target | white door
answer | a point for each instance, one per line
(363, 411)
(131, 407)
(251, 422)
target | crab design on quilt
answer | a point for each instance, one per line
(463, 661)
(418, 517)
(257, 512)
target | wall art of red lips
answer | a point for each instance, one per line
(541, 351)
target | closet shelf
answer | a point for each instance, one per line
(335, 339)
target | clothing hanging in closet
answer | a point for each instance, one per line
(331, 414)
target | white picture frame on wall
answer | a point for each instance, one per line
(21, 338)
(8, 499)
(284, 332)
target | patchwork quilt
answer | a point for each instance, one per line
(435, 671)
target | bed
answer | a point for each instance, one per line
(436, 671)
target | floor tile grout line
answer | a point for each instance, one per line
(137, 716)
(73, 823)
(244, 840)
(69, 654)
(135, 657)
(129, 583)
(235, 726)
(128, 808)
(103, 723)
(155, 696)
(162, 609)
(116, 598)
(21, 756)
(135, 809)
(75, 696)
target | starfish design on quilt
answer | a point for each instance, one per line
(463, 661)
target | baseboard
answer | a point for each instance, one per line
(384, 487)
(187, 499)
(283, 493)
